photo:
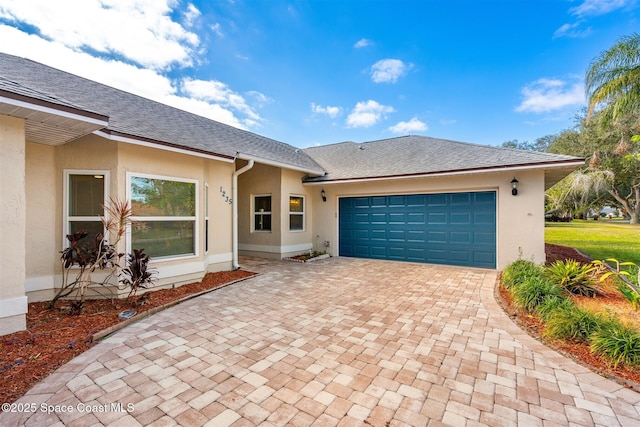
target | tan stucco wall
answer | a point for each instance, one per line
(42, 239)
(520, 219)
(280, 184)
(45, 188)
(13, 303)
(259, 180)
(145, 160)
(295, 242)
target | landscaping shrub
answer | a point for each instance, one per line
(571, 322)
(547, 307)
(530, 294)
(519, 272)
(617, 342)
(574, 277)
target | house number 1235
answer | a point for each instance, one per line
(225, 196)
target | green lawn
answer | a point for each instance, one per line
(597, 239)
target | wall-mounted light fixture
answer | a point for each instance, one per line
(324, 195)
(514, 187)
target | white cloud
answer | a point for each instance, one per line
(362, 43)
(136, 60)
(412, 125)
(388, 70)
(191, 15)
(546, 95)
(142, 31)
(600, 7)
(572, 30)
(216, 29)
(366, 114)
(330, 111)
(219, 93)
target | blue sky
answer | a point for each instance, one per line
(318, 72)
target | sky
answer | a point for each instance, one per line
(311, 73)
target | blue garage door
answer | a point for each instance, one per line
(445, 228)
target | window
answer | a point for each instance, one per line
(262, 213)
(296, 213)
(85, 193)
(164, 214)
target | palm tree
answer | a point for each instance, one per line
(613, 80)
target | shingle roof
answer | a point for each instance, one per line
(419, 155)
(133, 116)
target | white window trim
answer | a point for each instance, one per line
(196, 231)
(207, 223)
(253, 213)
(65, 197)
(303, 213)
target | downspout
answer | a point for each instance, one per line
(234, 220)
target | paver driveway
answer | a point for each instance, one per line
(336, 342)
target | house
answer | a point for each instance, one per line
(68, 145)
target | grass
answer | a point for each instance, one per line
(597, 239)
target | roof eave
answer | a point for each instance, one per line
(569, 163)
(162, 145)
(270, 162)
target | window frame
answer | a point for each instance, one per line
(206, 218)
(67, 217)
(254, 213)
(302, 214)
(194, 219)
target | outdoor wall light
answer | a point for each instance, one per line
(324, 195)
(514, 187)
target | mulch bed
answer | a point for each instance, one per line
(53, 337)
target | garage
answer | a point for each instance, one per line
(444, 228)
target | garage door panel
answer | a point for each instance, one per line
(460, 237)
(461, 199)
(460, 218)
(437, 200)
(447, 228)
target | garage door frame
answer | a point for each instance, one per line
(422, 193)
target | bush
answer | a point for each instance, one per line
(534, 292)
(519, 272)
(552, 304)
(572, 276)
(617, 342)
(570, 322)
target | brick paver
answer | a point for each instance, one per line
(339, 342)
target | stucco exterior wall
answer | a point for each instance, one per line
(280, 184)
(13, 302)
(42, 238)
(260, 180)
(135, 159)
(45, 197)
(295, 242)
(520, 219)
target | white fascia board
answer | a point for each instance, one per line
(316, 172)
(55, 111)
(160, 146)
(516, 168)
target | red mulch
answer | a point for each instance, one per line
(53, 337)
(579, 351)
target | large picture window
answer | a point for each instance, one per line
(164, 214)
(296, 213)
(262, 213)
(85, 194)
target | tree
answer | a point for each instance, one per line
(613, 81)
(612, 153)
(541, 144)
